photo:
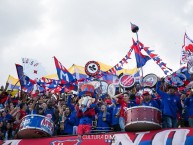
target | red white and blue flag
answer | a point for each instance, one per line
(26, 83)
(140, 58)
(63, 73)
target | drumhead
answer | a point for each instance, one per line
(36, 122)
(112, 88)
(104, 86)
(127, 81)
(149, 80)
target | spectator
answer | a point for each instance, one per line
(8, 131)
(21, 113)
(76, 123)
(171, 105)
(188, 104)
(148, 101)
(114, 110)
(134, 101)
(53, 113)
(31, 106)
(50, 111)
(69, 121)
(1, 131)
(6, 117)
(184, 121)
(124, 102)
(103, 119)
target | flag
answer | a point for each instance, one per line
(13, 83)
(140, 58)
(63, 73)
(187, 50)
(26, 85)
(32, 68)
(109, 78)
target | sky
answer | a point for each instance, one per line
(78, 31)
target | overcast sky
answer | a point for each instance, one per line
(77, 31)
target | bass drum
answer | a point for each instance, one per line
(142, 118)
(35, 126)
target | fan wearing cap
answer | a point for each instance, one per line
(148, 101)
(171, 106)
(188, 105)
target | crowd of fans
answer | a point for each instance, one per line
(103, 114)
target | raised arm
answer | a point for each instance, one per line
(160, 93)
(117, 96)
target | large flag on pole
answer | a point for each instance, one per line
(187, 50)
(140, 58)
(63, 73)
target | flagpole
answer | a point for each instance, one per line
(138, 46)
(141, 67)
(135, 29)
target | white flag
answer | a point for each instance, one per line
(32, 68)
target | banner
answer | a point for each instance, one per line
(178, 136)
(187, 50)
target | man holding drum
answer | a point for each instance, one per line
(148, 101)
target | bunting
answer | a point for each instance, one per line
(119, 65)
(157, 59)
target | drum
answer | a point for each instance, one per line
(104, 86)
(149, 80)
(142, 118)
(112, 89)
(35, 126)
(127, 81)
